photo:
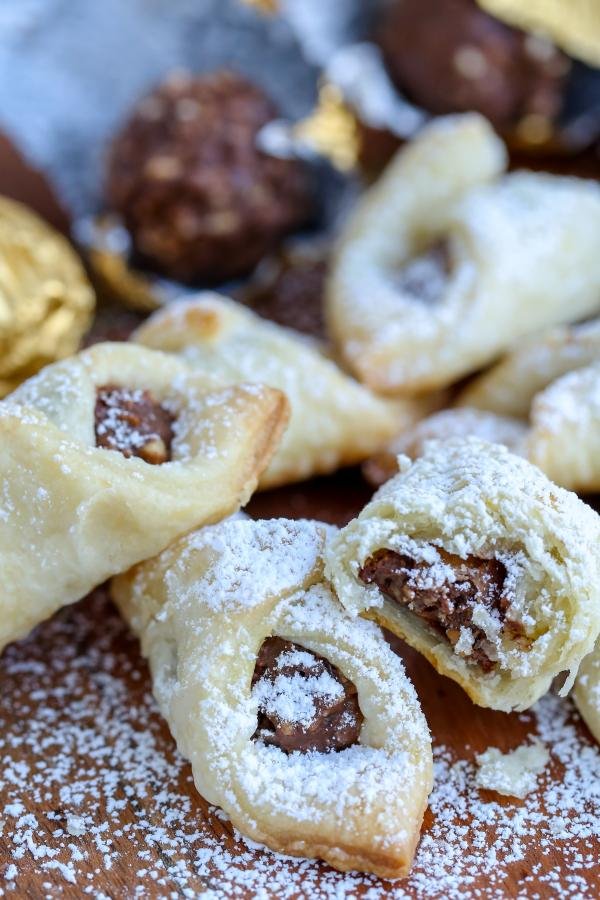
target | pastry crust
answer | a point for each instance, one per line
(335, 421)
(440, 426)
(564, 434)
(522, 251)
(474, 500)
(202, 610)
(587, 691)
(509, 387)
(72, 514)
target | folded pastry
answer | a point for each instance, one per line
(448, 423)
(447, 261)
(564, 434)
(334, 420)
(587, 691)
(483, 565)
(109, 456)
(298, 720)
(508, 388)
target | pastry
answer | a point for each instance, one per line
(483, 565)
(552, 383)
(299, 721)
(446, 261)
(440, 426)
(107, 457)
(587, 691)
(508, 388)
(451, 56)
(334, 421)
(201, 200)
(564, 434)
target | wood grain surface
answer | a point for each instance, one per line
(95, 800)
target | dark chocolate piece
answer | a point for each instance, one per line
(132, 422)
(446, 606)
(287, 672)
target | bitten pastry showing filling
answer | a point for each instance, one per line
(425, 276)
(134, 423)
(446, 596)
(305, 703)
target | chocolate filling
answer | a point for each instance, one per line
(447, 606)
(305, 703)
(424, 277)
(132, 422)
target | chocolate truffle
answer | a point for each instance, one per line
(201, 201)
(451, 56)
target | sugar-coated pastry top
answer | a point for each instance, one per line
(520, 255)
(334, 419)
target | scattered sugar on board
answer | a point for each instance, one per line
(93, 796)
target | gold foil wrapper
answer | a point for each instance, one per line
(107, 247)
(46, 301)
(265, 6)
(573, 25)
(331, 130)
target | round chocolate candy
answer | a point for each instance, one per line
(202, 202)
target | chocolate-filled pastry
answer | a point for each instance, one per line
(498, 257)
(509, 387)
(440, 426)
(587, 691)
(482, 564)
(109, 456)
(299, 721)
(451, 56)
(334, 421)
(552, 382)
(202, 202)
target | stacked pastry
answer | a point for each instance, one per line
(263, 637)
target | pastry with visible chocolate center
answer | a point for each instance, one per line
(305, 703)
(477, 560)
(132, 422)
(446, 599)
(340, 766)
(202, 202)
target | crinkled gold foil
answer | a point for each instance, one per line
(331, 130)
(107, 246)
(573, 25)
(46, 301)
(265, 6)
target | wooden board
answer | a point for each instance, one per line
(95, 800)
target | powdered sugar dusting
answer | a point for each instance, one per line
(92, 790)
(290, 697)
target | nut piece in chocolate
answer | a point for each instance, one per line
(447, 605)
(132, 422)
(305, 703)
(451, 56)
(202, 202)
